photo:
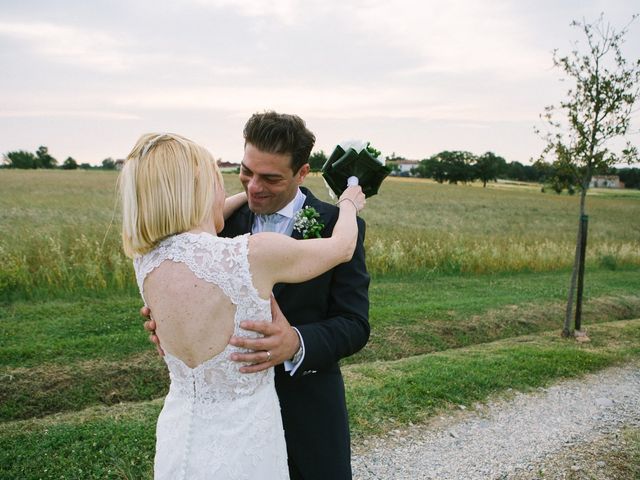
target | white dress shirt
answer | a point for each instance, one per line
(282, 222)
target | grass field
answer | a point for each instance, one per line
(62, 231)
(466, 302)
(117, 442)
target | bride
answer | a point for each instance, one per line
(216, 422)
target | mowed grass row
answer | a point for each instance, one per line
(118, 442)
(65, 355)
(61, 230)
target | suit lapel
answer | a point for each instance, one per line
(249, 221)
(310, 201)
(245, 219)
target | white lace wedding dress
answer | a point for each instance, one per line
(217, 423)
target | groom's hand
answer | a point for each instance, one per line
(150, 326)
(280, 342)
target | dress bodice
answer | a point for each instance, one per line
(217, 422)
(224, 263)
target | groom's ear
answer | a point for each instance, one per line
(302, 173)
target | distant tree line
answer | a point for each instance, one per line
(447, 166)
(43, 159)
(317, 160)
(561, 175)
(463, 167)
(629, 176)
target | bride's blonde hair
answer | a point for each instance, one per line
(167, 185)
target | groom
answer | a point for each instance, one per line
(315, 323)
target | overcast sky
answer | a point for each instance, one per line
(415, 77)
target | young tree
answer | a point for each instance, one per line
(564, 177)
(597, 110)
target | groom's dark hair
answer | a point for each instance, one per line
(282, 134)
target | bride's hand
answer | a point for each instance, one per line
(353, 195)
(232, 203)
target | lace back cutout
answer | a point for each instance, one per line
(224, 263)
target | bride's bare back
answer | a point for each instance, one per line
(199, 287)
(194, 318)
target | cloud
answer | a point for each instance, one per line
(86, 48)
(339, 102)
(457, 36)
(104, 53)
(284, 11)
(56, 113)
(460, 36)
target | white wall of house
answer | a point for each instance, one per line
(403, 166)
(605, 181)
(406, 167)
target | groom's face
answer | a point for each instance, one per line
(269, 180)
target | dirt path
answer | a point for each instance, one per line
(571, 430)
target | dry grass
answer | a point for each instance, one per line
(63, 230)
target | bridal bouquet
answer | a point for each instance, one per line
(355, 159)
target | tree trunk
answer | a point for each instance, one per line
(566, 330)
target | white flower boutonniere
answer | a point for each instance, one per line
(307, 222)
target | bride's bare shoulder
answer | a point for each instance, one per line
(267, 251)
(266, 247)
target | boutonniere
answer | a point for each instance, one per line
(307, 222)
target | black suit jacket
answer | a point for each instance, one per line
(332, 314)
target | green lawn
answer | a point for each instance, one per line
(467, 300)
(65, 355)
(118, 442)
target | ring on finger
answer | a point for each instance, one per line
(268, 356)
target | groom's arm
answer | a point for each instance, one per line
(336, 329)
(346, 329)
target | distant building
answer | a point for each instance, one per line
(606, 181)
(227, 166)
(402, 167)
